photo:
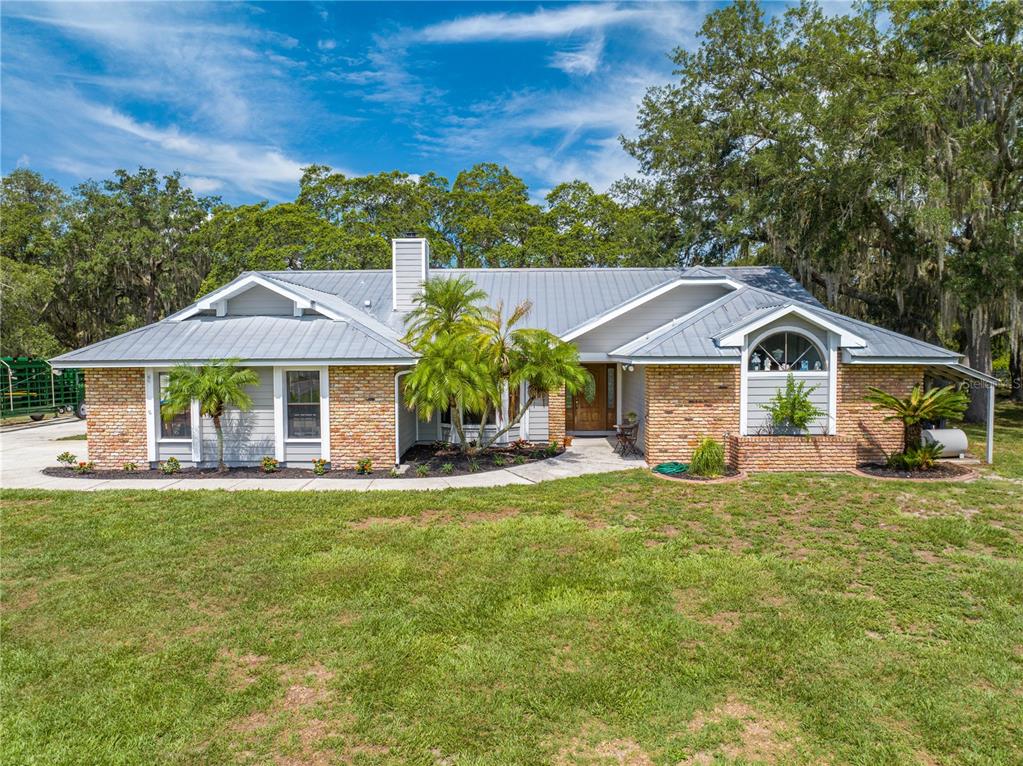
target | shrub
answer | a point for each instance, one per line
(67, 459)
(364, 466)
(422, 470)
(474, 465)
(130, 466)
(791, 406)
(393, 473)
(520, 444)
(552, 449)
(319, 466)
(84, 466)
(919, 406)
(499, 460)
(519, 459)
(915, 458)
(447, 468)
(270, 464)
(170, 465)
(708, 459)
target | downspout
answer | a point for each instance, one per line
(397, 416)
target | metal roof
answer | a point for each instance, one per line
(563, 299)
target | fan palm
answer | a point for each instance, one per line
(216, 386)
(919, 406)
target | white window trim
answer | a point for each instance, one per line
(281, 438)
(830, 353)
(154, 435)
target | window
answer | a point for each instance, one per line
(179, 426)
(786, 351)
(303, 404)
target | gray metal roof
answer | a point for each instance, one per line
(254, 338)
(695, 335)
(562, 299)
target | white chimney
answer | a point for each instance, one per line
(410, 267)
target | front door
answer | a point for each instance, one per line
(598, 413)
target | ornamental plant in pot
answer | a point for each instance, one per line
(791, 410)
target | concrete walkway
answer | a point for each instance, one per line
(23, 455)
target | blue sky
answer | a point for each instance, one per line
(239, 97)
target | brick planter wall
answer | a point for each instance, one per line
(793, 453)
(362, 416)
(115, 401)
(684, 403)
(858, 419)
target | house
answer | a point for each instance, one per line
(693, 351)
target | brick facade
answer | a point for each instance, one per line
(115, 401)
(858, 419)
(362, 416)
(792, 453)
(685, 403)
(556, 412)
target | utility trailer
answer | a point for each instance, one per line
(32, 387)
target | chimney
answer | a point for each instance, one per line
(410, 267)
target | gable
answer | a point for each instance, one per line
(648, 316)
(260, 301)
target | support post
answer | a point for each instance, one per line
(990, 456)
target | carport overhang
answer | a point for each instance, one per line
(963, 374)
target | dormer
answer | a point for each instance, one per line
(410, 268)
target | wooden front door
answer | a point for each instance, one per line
(598, 413)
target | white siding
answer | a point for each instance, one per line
(649, 316)
(248, 436)
(633, 398)
(538, 421)
(259, 301)
(761, 388)
(301, 454)
(406, 421)
(410, 260)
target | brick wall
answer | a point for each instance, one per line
(858, 419)
(556, 413)
(684, 403)
(115, 401)
(362, 416)
(793, 453)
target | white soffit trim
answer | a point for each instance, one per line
(737, 337)
(626, 348)
(656, 292)
(948, 361)
(242, 284)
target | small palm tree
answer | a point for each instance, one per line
(918, 407)
(444, 306)
(449, 377)
(216, 386)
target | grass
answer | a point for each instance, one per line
(611, 619)
(72, 438)
(1008, 439)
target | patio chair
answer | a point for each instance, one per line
(627, 436)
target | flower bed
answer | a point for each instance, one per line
(941, 471)
(423, 460)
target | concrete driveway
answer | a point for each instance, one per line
(25, 453)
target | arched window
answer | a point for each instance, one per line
(786, 351)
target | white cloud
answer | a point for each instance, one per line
(201, 185)
(326, 45)
(584, 60)
(24, 161)
(543, 24)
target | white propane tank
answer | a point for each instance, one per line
(952, 440)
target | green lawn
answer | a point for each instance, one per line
(607, 620)
(1008, 439)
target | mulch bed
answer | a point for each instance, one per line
(939, 471)
(433, 456)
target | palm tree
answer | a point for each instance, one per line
(216, 386)
(919, 406)
(546, 364)
(449, 376)
(444, 306)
